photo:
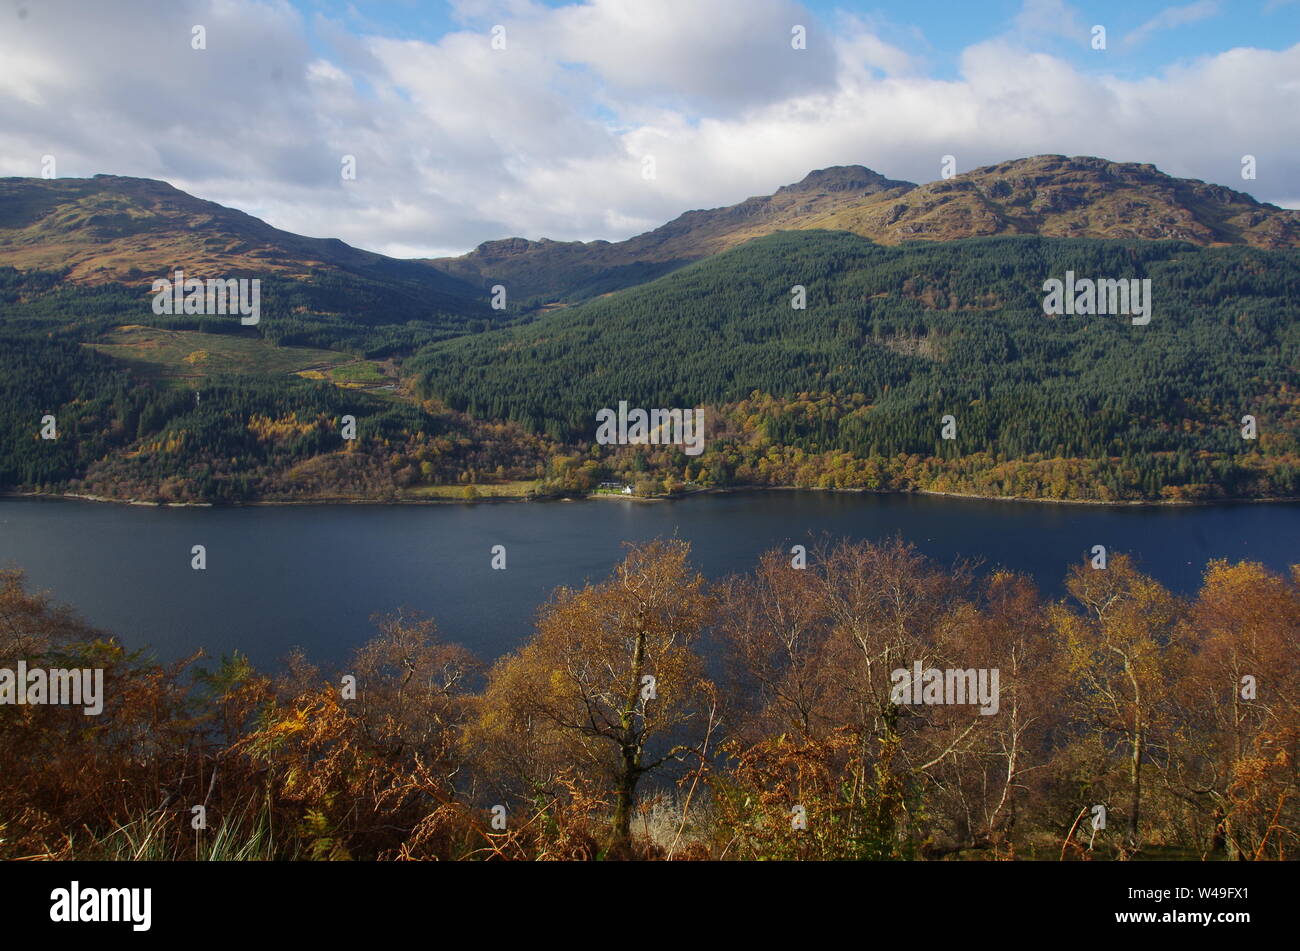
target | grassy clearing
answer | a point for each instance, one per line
(363, 372)
(190, 357)
(504, 490)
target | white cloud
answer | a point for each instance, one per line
(457, 143)
(724, 55)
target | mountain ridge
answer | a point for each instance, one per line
(123, 229)
(1047, 195)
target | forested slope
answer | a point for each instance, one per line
(894, 338)
(226, 437)
(847, 391)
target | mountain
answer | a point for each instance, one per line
(98, 243)
(1059, 197)
(113, 228)
(922, 302)
(578, 269)
(1047, 195)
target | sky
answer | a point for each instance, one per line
(606, 118)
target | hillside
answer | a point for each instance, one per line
(1046, 195)
(115, 229)
(94, 246)
(129, 230)
(894, 338)
(561, 269)
(1058, 197)
(922, 301)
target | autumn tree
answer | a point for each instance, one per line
(1241, 704)
(774, 626)
(64, 773)
(369, 766)
(981, 794)
(1125, 656)
(611, 680)
(817, 648)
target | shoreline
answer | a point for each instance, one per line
(619, 497)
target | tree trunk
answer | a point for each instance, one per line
(624, 797)
(1135, 773)
(629, 770)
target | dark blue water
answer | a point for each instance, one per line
(312, 576)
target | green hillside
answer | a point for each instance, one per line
(453, 397)
(117, 381)
(901, 336)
